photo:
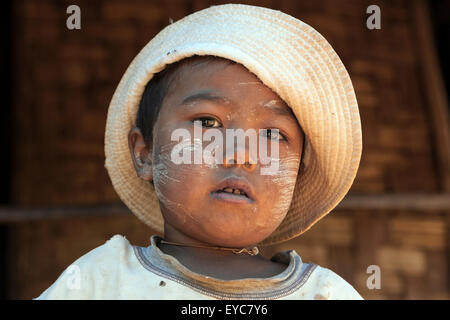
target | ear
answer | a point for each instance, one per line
(141, 154)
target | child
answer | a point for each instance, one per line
(228, 68)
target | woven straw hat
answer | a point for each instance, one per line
(288, 56)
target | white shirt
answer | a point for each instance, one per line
(119, 270)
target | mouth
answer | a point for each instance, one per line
(236, 190)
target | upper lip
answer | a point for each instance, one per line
(236, 183)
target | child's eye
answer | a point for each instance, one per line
(208, 122)
(274, 134)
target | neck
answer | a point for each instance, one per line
(221, 264)
(171, 234)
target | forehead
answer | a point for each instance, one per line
(229, 82)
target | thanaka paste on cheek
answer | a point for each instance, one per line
(285, 181)
(162, 177)
(166, 173)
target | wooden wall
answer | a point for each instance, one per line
(63, 82)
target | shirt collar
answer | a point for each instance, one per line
(292, 277)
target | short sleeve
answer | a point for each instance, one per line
(92, 276)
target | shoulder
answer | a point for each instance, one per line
(106, 257)
(83, 278)
(116, 248)
(324, 284)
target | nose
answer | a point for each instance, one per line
(240, 157)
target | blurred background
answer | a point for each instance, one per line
(57, 202)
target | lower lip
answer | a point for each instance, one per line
(230, 197)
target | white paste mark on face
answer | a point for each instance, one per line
(162, 177)
(270, 103)
(248, 83)
(285, 180)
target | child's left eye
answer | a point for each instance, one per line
(274, 134)
(208, 122)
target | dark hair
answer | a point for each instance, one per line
(157, 88)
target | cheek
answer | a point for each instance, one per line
(171, 179)
(283, 185)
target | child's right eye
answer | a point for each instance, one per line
(208, 122)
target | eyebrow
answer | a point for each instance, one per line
(278, 110)
(281, 111)
(204, 96)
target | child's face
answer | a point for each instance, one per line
(188, 193)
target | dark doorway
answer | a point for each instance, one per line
(5, 136)
(440, 16)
